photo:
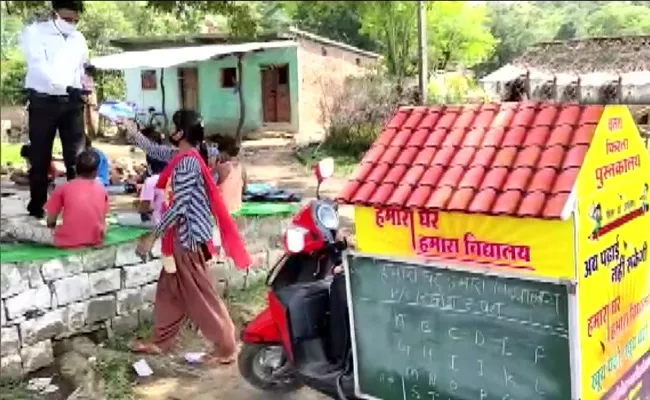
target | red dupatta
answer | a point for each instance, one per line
(231, 240)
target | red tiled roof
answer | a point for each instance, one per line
(519, 159)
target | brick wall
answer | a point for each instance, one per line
(323, 69)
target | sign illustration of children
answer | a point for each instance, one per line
(596, 215)
(644, 198)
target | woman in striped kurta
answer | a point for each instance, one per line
(186, 227)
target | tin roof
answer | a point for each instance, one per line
(517, 159)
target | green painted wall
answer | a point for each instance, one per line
(220, 106)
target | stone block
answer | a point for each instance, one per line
(45, 327)
(32, 272)
(11, 366)
(129, 301)
(145, 315)
(36, 300)
(138, 275)
(60, 268)
(76, 315)
(37, 356)
(100, 259)
(105, 281)
(71, 289)
(10, 343)
(125, 255)
(149, 292)
(125, 324)
(12, 281)
(100, 309)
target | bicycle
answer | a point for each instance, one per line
(152, 119)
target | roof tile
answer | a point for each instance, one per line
(519, 159)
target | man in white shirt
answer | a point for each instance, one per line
(56, 53)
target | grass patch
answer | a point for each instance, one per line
(10, 153)
(14, 389)
(344, 164)
(116, 372)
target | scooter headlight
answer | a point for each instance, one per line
(327, 216)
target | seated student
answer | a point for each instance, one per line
(21, 177)
(103, 170)
(231, 175)
(83, 203)
(150, 204)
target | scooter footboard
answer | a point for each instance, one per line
(307, 306)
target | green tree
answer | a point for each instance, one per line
(336, 20)
(619, 18)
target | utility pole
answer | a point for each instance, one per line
(422, 52)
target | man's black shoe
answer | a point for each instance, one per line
(38, 214)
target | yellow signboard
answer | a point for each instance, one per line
(537, 247)
(614, 273)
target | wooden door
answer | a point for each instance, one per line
(188, 80)
(269, 90)
(276, 94)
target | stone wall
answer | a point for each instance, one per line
(109, 288)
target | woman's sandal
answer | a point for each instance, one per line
(215, 360)
(146, 348)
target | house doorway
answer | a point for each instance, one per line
(276, 99)
(188, 85)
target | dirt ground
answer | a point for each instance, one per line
(270, 161)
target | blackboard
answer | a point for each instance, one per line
(427, 332)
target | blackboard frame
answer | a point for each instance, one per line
(479, 269)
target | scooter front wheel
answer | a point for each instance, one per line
(265, 367)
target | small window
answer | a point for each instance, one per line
(323, 51)
(148, 79)
(358, 62)
(228, 77)
(283, 75)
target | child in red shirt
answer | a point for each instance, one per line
(83, 203)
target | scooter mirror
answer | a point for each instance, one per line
(325, 169)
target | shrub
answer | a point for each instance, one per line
(355, 116)
(12, 77)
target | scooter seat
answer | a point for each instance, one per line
(307, 306)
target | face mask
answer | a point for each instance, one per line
(175, 142)
(65, 27)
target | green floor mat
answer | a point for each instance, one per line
(22, 252)
(266, 209)
(116, 234)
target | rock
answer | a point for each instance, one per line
(45, 327)
(72, 289)
(11, 281)
(126, 255)
(142, 274)
(76, 368)
(99, 259)
(104, 281)
(32, 272)
(149, 293)
(61, 268)
(100, 309)
(124, 324)
(11, 366)
(10, 343)
(145, 315)
(38, 299)
(76, 315)
(37, 356)
(128, 301)
(84, 346)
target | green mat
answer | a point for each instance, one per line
(116, 234)
(22, 252)
(266, 209)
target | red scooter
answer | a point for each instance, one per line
(302, 337)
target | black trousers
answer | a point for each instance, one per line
(47, 115)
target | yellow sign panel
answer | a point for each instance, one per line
(614, 273)
(537, 247)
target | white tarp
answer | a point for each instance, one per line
(169, 57)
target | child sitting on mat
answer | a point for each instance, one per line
(231, 174)
(83, 203)
(21, 177)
